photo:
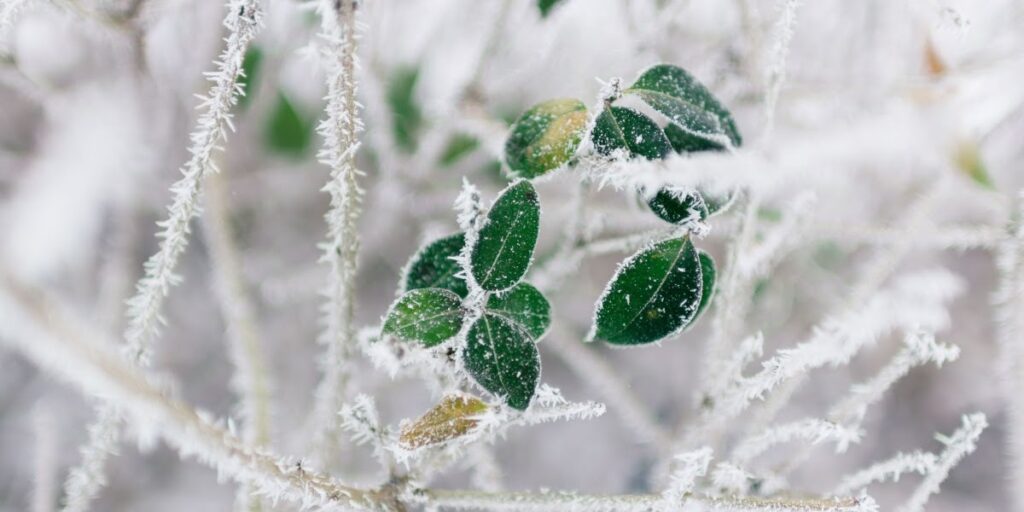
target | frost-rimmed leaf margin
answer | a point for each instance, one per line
(709, 277)
(525, 305)
(675, 93)
(686, 254)
(482, 359)
(676, 205)
(428, 315)
(545, 137)
(453, 417)
(622, 128)
(441, 254)
(496, 265)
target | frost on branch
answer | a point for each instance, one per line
(813, 430)
(340, 131)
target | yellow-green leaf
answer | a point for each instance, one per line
(454, 417)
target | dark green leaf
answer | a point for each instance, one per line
(504, 247)
(620, 128)
(545, 6)
(708, 274)
(288, 132)
(654, 294)
(676, 206)
(251, 64)
(434, 266)
(428, 315)
(458, 146)
(502, 358)
(673, 92)
(524, 305)
(684, 142)
(545, 137)
(406, 116)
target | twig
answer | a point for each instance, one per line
(571, 501)
(250, 379)
(341, 142)
(64, 345)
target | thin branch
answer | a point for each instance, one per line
(1009, 302)
(570, 501)
(243, 21)
(340, 131)
(66, 346)
(594, 370)
(250, 379)
(958, 445)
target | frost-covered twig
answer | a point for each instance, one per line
(593, 369)
(562, 501)
(1009, 302)
(86, 479)
(361, 420)
(958, 445)
(916, 301)
(66, 346)
(340, 131)
(892, 469)
(689, 467)
(243, 21)
(920, 349)
(814, 430)
(777, 63)
(250, 378)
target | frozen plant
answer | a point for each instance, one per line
(652, 255)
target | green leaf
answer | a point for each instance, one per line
(458, 146)
(288, 131)
(676, 205)
(428, 315)
(502, 358)
(654, 294)
(406, 116)
(434, 266)
(545, 137)
(626, 129)
(524, 305)
(251, 64)
(504, 247)
(684, 142)
(708, 275)
(675, 93)
(545, 6)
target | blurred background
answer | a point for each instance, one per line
(906, 117)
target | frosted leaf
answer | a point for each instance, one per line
(452, 418)
(435, 266)
(708, 275)
(687, 103)
(620, 128)
(545, 137)
(502, 358)
(654, 294)
(678, 206)
(429, 315)
(524, 305)
(504, 247)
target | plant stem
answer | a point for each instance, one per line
(341, 142)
